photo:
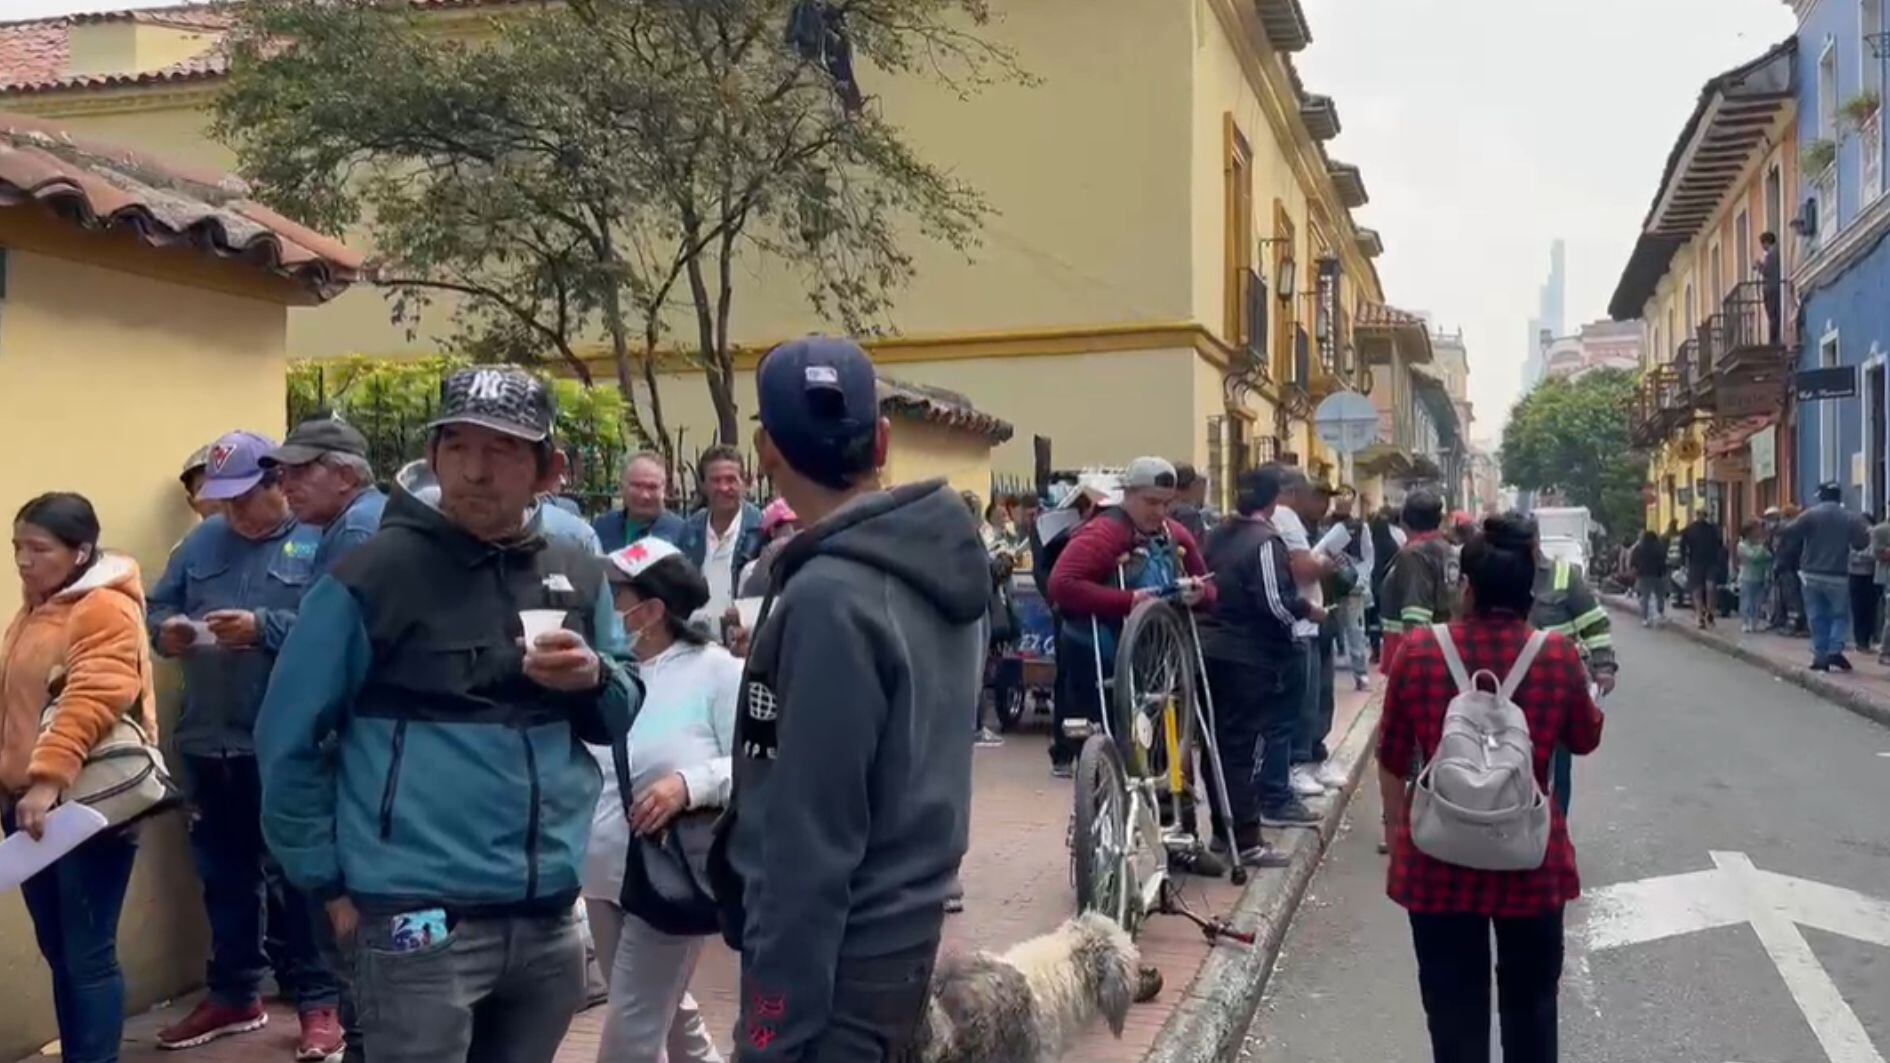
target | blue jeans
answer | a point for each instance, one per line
(237, 873)
(75, 905)
(1751, 597)
(1315, 720)
(1358, 648)
(1828, 606)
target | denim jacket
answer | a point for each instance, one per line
(693, 540)
(215, 568)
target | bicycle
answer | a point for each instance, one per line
(1119, 844)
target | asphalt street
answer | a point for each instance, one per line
(1704, 759)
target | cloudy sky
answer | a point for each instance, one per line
(1485, 129)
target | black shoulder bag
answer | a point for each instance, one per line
(665, 878)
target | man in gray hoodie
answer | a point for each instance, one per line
(1826, 534)
(852, 772)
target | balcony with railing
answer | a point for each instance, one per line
(1709, 354)
(1685, 367)
(1756, 341)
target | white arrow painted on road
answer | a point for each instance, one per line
(1775, 906)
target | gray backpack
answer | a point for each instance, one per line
(1476, 804)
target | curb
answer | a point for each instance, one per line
(1869, 706)
(1210, 1022)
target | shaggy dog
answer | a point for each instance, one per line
(1028, 1004)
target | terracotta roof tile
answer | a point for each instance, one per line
(940, 406)
(31, 52)
(98, 186)
(34, 54)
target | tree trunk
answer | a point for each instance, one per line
(715, 371)
(663, 439)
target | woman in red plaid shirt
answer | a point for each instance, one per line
(1453, 909)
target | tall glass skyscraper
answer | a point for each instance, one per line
(1550, 310)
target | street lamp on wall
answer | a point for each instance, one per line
(1285, 280)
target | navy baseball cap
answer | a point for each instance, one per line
(817, 396)
(235, 466)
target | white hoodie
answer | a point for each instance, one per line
(686, 726)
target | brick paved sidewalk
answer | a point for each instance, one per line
(1017, 885)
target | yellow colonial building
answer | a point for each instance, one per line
(1715, 362)
(143, 312)
(1171, 266)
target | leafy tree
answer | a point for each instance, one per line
(391, 401)
(1572, 437)
(608, 167)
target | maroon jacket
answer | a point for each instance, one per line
(1082, 584)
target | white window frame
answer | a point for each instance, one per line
(1830, 356)
(1828, 101)
(1865, 417)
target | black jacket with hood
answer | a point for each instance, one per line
(852, 774)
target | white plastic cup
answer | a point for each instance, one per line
(540, 622)
(750, 611)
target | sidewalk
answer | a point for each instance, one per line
(1865, 691)
(1017, 885)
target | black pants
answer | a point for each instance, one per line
(1255, 712)
(1453, 955)
(878, 1004)
(1076, 697)
(1864, 598)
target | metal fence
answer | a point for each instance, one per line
(391, 403)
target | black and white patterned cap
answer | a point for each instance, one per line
(511, 401)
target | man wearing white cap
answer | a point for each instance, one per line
(1130, 552)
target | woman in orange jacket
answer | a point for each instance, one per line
(82, 626)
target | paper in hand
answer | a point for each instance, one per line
(1334, 542)
(68, 826)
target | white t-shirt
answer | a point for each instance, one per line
(1293, 531)
(718, 565)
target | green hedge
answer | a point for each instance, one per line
(391, 403)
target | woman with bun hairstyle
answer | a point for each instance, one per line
(1454, 909)
(679, 750)
(77, 645)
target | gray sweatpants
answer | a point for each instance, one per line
(651, 1017)
(494, 991)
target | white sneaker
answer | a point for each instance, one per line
(1304, 785)
(1330, 775)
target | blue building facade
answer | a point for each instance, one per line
(1841, 280)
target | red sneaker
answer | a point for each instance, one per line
(209, 1021)
(321, 1036)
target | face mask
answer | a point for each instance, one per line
(632, 633)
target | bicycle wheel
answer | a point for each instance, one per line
(1099, 847)
(1154, 666)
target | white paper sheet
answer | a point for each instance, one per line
(1334, 542)
(66, 827)
(1054, 522)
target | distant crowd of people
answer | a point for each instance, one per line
(1822, 572)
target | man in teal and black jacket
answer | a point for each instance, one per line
(445, 828)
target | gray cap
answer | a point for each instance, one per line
(1148, 472)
